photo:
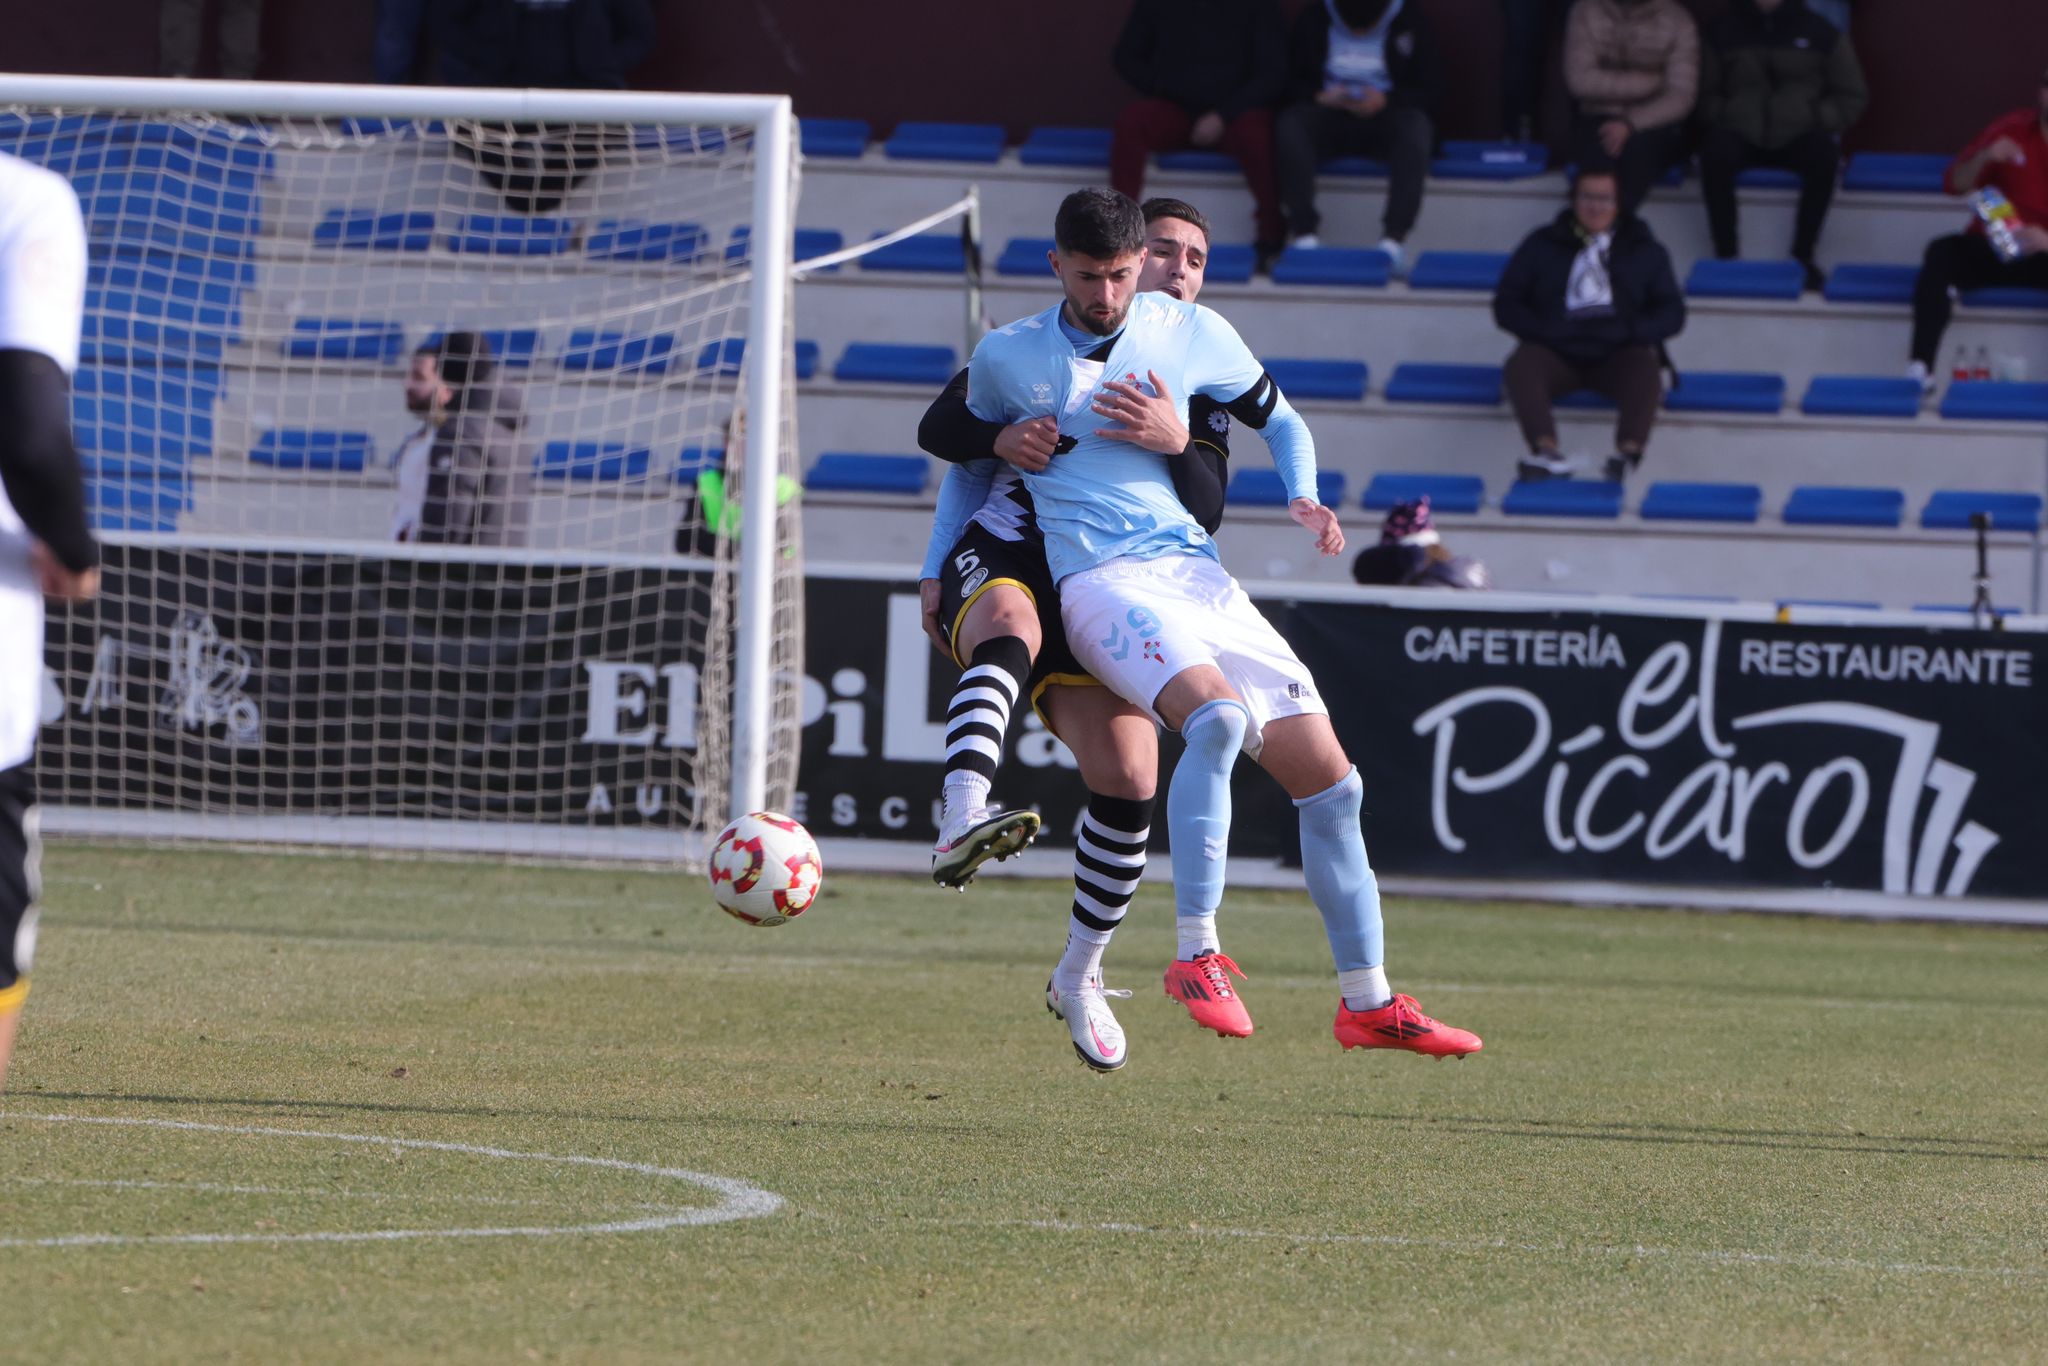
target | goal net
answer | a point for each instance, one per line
(423, 428)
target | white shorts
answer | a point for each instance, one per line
(1135, 624)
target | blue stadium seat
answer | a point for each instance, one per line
(1415, 382)
(1195, 159)
(1563, 498)
(618, 240)
(159, 196)
(810, 242)
(1262, 488)
(1951, 509)
(723, 357)
(692, 461)
(594, 349)
(1666, 501)
(1829, 604)
(1230, 263)
(587, 462)
(1997, 610)
(157, 307)
(368, 230)
(492, 234)
(1861, 396)
(1353, 166)
(1712, 279)
(1026, 256)
(130, 265)
(147, 495)
(932, 253)
(1065, 147)
(345, 339)
(220, 145)
(1446, 492)
(1820, 505)
(293, 448)
(1985, 401)
(1911, 172)
(1732, 391)
(2005, 296)
(886, 363)
(1458, 270)
(171, 425)
(123, 521)
(1865, 282)
(846, 472)
(1490, 161)
(511, 347)
(1343, 380)
(833, 137)
(1767, 178)
(1360, 267)
(976, 142)
(196, 385)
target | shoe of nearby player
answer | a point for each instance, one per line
(1202, 984)
(1400, 1023)
(1097, 1037)
(974, 837)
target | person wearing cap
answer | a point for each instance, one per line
(479, 477)
(1411, 554)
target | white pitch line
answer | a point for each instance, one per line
(737, 1199)
(1394, 1240)
(306, 1192)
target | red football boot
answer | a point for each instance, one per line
(1400, 1023)
(1202, 984)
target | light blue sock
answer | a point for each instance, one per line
(1340, 881)
(1198, 804)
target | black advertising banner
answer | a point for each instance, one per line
(1522, 745)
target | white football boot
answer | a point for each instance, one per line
(974, 837)
(1098, 1038)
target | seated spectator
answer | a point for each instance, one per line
(2011, 158)
(426, 398)
(1528, 28)
(1207, 75)
(1592, 300)
(1633, 70)
(238, 25)
(1411, 554)
(1778, 85)
(1361, 79)
(551, 44)
(479, 478)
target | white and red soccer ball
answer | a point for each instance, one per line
(765, 869)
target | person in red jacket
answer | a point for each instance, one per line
(2011, 157)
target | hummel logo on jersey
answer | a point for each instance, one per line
(1213, 847)
(1041, 393)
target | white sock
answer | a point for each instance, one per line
(1083, 958)
(964, 792)
(1364, 988)
(1197, 934)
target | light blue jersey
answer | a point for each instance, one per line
(1105, 498)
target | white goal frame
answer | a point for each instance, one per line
(772, 119)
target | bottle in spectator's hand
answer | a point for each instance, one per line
(2001, 222)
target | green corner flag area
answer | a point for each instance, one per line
(279, 1108)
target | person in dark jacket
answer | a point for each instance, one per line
(1778, 86)
(1207, 73)
(549, 44)
(1592, 300)
(479, 488)
(1361, 80)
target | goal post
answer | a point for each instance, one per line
(587, 642)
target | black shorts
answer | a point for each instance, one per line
(19, 883)
(979, 561)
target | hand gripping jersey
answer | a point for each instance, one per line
(1102, 499)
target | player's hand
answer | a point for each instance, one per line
(1614, 136)
(928, 613)
(2005, 152)
(1151, 421)
(65, 585)
(1208, 130)
(1028, 445)
(2033, 240)
(1320, 520)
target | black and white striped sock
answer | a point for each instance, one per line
(1109, 861)
(979, 717)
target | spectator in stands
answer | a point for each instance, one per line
(1778, 85)
(1528, 27)
(479, 477)
(1361, 80)
(1207, 73)
(237, 31)
(1592, 300)
(2011, 158)
(399, 50)
(1412, 554)
(1633, 70)
(427, 399)
(555, 44)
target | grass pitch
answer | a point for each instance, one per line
(1690, 1136)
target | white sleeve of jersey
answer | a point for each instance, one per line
(42, 263)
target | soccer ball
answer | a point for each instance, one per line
(765, 869)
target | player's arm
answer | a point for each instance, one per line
(39, 466)
(1223, 367)
(961, 494)
(1202, 469)
(952, 432)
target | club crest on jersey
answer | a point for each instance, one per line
(1151, 651)
(970, 585)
